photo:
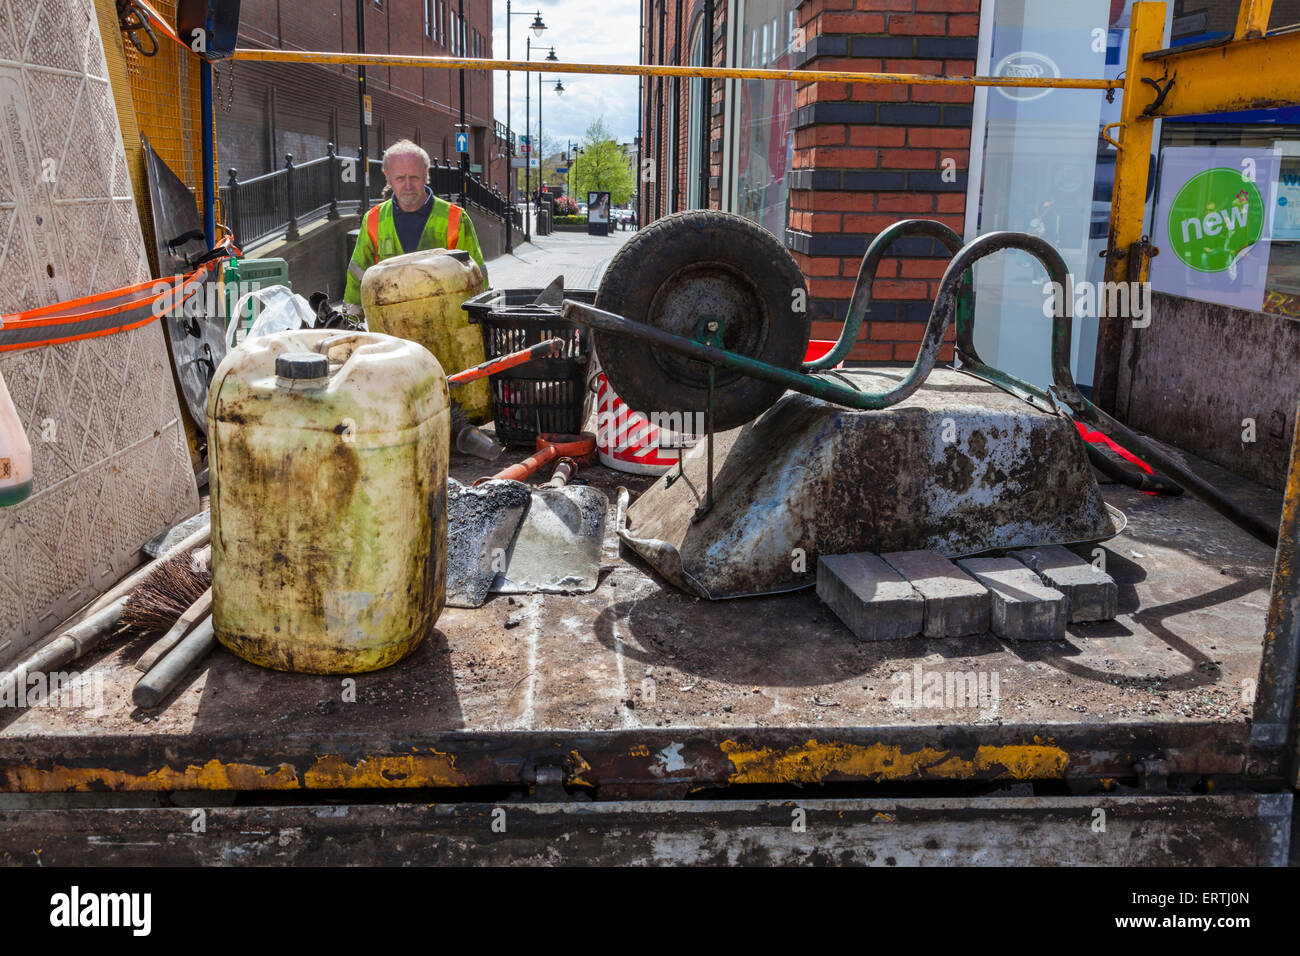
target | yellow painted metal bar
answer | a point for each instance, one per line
(1239, 75)
(649, 69)
(1128, 198)
(1283, 613)
(1252, 19)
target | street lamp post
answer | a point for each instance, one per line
(361, 98)
(574, 152)
(463, 159)
(537, 27)
(541, 159)
(532, 147)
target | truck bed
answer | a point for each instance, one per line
(639, 691)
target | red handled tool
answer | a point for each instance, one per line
(551, 348)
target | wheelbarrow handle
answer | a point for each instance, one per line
(551, 348)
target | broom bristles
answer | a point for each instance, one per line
(166, 594)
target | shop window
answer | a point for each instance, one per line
(1227, 210)
(697, 135)
(1039, 165)
(762, 142)
(1226, 193)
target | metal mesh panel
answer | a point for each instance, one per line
(165, 89)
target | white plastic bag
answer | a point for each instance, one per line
(278, 310)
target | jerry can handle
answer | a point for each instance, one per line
(328, 344)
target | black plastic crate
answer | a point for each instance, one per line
(548, 395)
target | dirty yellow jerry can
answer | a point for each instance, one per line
(418, 296)
(328, 456)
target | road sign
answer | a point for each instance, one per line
(476, 168)
(367, 103)
(462, 142)
(561, 170)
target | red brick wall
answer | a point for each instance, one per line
(869, 155)
(292, 108)
(865, 155)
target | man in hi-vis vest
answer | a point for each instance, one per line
(413, 219)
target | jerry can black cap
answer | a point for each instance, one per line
(302, 365)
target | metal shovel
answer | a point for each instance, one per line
(481, 526)
(557, 549)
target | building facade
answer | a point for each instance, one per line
(266, 110)
(827, 166)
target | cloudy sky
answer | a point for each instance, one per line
(582, 31)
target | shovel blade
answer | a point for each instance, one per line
(481, 524)
(559, 543)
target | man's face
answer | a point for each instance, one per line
(406, 175)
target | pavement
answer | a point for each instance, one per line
(576, 256)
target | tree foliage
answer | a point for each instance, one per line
(602, 166)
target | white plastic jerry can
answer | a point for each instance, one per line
(328, 457)
(15, 453)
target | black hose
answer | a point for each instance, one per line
(1132, 477)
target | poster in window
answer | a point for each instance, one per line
(1213, 223)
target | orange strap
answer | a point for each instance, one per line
(453, 226)
(119, 310)
(372, 228)
(148, 12)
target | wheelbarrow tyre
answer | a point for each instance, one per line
(673, 273)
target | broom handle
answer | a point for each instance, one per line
(150, 689)
(67, 647)
(178, 630)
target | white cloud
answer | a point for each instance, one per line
(582, 31)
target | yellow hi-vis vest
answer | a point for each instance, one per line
(446, 228)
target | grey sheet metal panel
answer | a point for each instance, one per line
(196, 334)
(1226, 830)
(959, 468)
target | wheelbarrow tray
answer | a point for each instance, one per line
(960, 467)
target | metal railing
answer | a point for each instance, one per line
(276, 204)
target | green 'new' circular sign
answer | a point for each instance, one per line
(1215, 217)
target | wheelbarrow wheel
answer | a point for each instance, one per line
(677, 273)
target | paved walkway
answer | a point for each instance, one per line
(576, 256)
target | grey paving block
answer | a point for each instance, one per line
(1092, 594)
(1021, 607)
(955, 603)
(870, 597)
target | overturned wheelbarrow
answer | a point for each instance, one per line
(700, 316)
